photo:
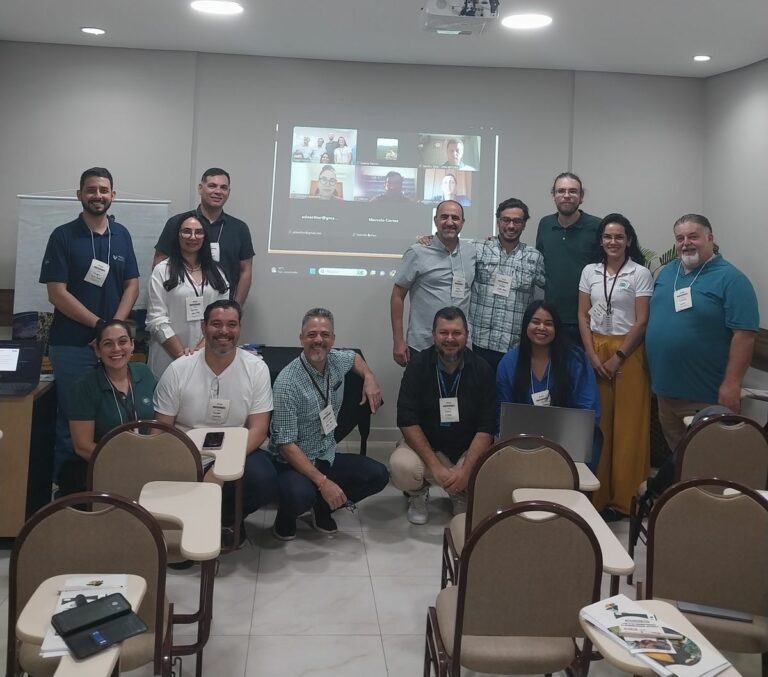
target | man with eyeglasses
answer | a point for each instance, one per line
(91, 275)
(311, 475)
(229, 237)
(568, 241)
(218, 387)
(507, 273)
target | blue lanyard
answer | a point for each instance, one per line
(443, 388)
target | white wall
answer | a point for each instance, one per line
(157, 119)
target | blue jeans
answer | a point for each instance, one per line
(69, 364)
(358, 477)
(259, 486)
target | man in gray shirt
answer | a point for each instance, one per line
(436, 276)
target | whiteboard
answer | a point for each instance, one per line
(39, 215)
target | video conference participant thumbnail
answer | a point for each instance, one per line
(450, 151)
(448, 184)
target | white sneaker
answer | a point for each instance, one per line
(417, 507)
(458, 503)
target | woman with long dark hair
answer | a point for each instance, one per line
(614, 297)
(180, 288)
(546, 369)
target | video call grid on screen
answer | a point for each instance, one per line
(342, 192)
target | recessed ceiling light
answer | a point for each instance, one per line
(92, 30)
(526, 21)
(217, 6)
(702, 57)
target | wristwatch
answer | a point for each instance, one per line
(622, 355)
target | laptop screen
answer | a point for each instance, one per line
(20, 361)
(572, 429)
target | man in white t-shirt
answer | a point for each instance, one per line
(224, 386)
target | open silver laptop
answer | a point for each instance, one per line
(19, 366)
(572, 429)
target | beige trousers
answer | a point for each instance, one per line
(672, 411)
(408, 471)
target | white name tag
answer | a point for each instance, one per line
(215, 251)
(598, 312)
(683, 299)
(97, 273)
(458, 287)
(502, 284)
(327, 420)
(218, 410)
(449, 410)
(194, 308)
(541, 398)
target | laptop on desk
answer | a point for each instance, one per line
(572, 429)
(20, 363)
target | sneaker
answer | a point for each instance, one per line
(284, 528)
(228, 538)
(322, 520)
(458, 503)
(417, 507)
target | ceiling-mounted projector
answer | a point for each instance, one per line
(459, 17)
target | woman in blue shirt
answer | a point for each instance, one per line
(546, 369)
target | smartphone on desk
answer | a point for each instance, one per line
(714, 611)
(213, 441)
(88, 614)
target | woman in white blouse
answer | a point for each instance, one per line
(180, 288)
(614, 297)
(342, 154)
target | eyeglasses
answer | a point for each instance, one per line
(188, 234)
(608, 237)
(506, 221)
(324, 181)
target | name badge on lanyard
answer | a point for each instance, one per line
(449, 410)
(541, 398)
(502, 284)
(218, 410)
(683, 299)
(458, 286)
(194, 308)
(215, 251)
(327, 420)
(97, 273)
(599, 312)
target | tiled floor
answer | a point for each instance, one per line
(350, 605)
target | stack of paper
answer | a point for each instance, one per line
(649, 639)
(91, 587)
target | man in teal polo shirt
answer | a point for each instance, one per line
(701, 330)
(568, 241)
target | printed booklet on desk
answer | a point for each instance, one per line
(91, 587)
(649, 639)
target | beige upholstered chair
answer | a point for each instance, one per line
(522, 461)
(118, 537)
(727, 446)
(709, 548)
(135, 453)
(516, 605)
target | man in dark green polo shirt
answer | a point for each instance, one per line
(568, 241)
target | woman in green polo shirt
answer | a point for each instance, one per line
(116, 392)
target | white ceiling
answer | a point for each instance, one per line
(657, 37)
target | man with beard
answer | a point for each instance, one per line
(568, 241)
(230, 238)
(222, 386)
(311, 475)
(506, 274)
(701, 329)
(436, 276)
(90, 271)
(446, 412)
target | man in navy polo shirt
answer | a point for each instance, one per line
(230, 238)
(91, 274)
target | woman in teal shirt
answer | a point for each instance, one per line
(116, 392)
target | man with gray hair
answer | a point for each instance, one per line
(701, 329)
(307, 398)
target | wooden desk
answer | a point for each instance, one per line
(616, 561)
(26, 455)
(230, 459)
(620, 658)
(195, 507)
(35, 618)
